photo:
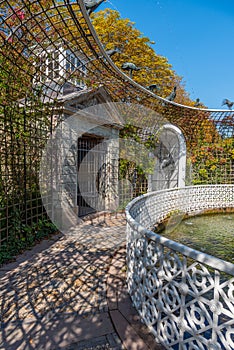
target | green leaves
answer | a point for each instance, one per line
(23, 237)
(213, 162)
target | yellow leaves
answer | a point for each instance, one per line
(213, 168)
(232, 154)
(115, 31)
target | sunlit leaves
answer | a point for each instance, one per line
(115, 31)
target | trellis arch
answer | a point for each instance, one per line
(56, 40)
(32, 31)
(30, 28)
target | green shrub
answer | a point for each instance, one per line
(25, 239)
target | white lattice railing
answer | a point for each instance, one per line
(184, 296)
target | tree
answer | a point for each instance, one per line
(115, 31)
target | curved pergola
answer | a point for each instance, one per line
(28, 30)
(45, 47)
(31, 106)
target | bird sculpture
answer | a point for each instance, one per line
(112, 52)
(172, 95)
(168, 160)
(153, 87)
(197, 103)
(228, 103)
(130, 67)
(92, 5)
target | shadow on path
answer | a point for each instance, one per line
(70, 293)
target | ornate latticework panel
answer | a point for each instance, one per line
(186, 297)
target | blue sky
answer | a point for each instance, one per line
(197, 37)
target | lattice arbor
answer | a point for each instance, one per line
(52, 65)
(49, 50)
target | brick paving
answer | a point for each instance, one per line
(68, 291)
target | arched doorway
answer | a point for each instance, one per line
(170, 154)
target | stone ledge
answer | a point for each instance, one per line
(126, 321)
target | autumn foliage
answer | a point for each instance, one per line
(115, 31)
(209, 149)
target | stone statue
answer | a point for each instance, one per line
(197, 103)
(172, 95)
(111, 52)
(129, 66)
(153, 87)
(92, 5)
(228, 103)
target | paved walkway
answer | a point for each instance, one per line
(69, 292)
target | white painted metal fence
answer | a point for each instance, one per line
(184, 296)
